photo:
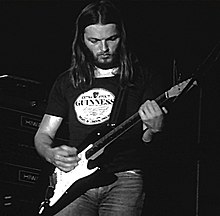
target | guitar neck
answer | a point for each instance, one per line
(119, 130)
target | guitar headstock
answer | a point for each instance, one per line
(177, 89)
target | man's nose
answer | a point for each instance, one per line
(104, 46)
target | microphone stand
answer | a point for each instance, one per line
(197, 79)
(198, 76)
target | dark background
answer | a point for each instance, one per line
(35, 43)
(36, 36)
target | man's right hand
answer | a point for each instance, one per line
(64, 157)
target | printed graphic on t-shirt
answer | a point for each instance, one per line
(94, 106)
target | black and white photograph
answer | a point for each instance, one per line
(109, 107)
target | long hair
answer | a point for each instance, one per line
(82, 70)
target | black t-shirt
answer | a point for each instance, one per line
(88, 110)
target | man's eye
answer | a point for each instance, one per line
(93, 41)
(113, 38)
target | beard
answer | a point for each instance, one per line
(103, 60)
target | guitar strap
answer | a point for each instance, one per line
(117, 106)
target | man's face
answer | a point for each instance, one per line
(102, 41)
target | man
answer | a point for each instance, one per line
(85, 94)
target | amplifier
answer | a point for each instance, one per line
(20, 163)
(21, 112)
(16, 174)
(17, 188)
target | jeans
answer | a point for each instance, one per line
(124, 197)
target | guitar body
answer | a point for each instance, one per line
(79, 187)
(59, 183)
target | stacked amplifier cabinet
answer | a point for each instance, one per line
(21, 112)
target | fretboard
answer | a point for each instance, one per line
(119, 130)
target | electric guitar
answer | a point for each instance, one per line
(64, 187)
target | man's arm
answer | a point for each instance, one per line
(63, 157)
